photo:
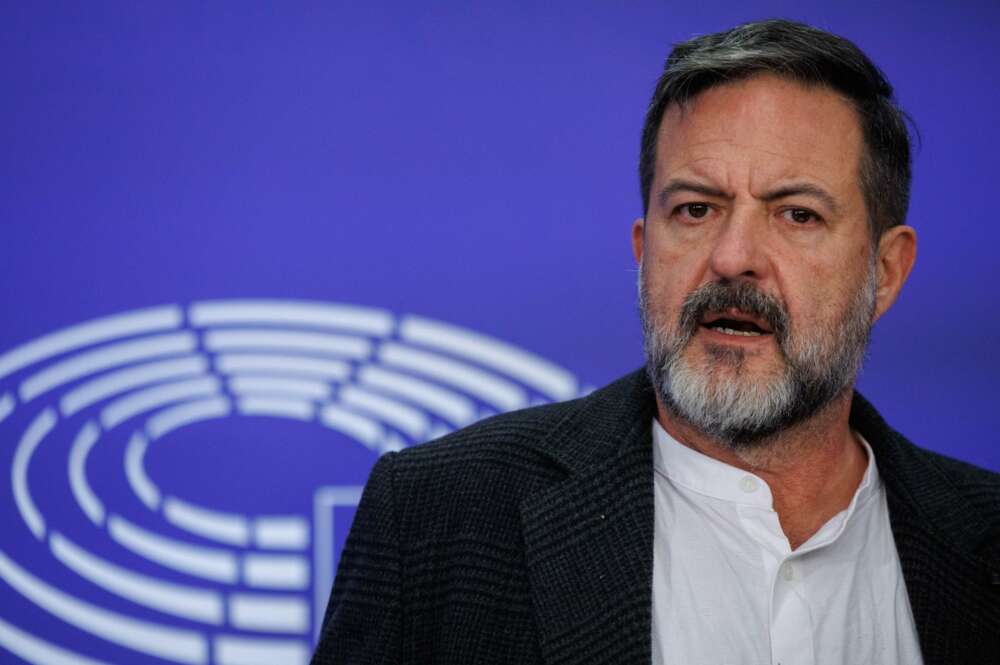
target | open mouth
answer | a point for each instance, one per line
(736, 323)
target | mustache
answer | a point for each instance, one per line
(744, 296)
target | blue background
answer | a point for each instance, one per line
(472, 164)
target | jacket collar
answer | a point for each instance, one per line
(916, 485)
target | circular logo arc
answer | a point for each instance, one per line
(146, 575)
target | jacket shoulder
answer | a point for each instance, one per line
(500, 439)
(978, 486)
(572, 434)
(477, 477)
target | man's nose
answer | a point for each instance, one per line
(738, 251)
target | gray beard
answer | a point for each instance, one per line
(743, 411)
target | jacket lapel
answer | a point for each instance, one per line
(940, 541)
(589, 537)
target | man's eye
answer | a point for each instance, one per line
(800, 215)
(694, 210)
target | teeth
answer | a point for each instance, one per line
(744, 333)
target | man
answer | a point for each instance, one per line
(736, 502)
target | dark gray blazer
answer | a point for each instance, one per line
(528, 538)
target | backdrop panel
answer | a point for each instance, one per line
(248, 248)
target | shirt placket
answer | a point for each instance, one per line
(791, 621)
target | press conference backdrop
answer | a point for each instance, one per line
(247, 248)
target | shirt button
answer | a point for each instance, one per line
(788, 572)
(748, 484)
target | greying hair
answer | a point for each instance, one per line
(810, 56)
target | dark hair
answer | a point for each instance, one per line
(813, 57)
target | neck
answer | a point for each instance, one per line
(813, 468)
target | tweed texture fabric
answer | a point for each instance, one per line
(528, 538)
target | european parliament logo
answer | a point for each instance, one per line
(182, 478)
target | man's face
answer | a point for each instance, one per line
(757, 277)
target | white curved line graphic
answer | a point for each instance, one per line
(448, 405)
(187, 413)
(90, 332)
(246, 363)
(39, 427)
(135, 472)
(279, 407)
(228, 650)
(411, 421)
(103, 358)
(85, 497)
(127, 379)
(533, 370)
(276, 571)
(141, 401)
(215, 525)
(182, 646)
(392, 443)
(270, 613)
(183, 601)
(363, 429)
(37, 651)
(487, 386)
(208, 563)
(286, 532)
(279, 386)
(283, 312)
(383, 381)
(7, 405)
(284, 340)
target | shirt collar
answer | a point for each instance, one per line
(706, 475)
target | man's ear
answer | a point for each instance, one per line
(638, 229)
(897, 250)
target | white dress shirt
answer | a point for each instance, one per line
(728, 589)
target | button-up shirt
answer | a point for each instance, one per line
(728, 588)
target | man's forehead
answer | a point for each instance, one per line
(774, 126)
(773, 105)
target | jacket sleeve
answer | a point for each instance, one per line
(362, 620)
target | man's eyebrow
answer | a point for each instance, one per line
(806, 189)
(678, 185)
(795, 189)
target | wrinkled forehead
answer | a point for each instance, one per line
(776, 127)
